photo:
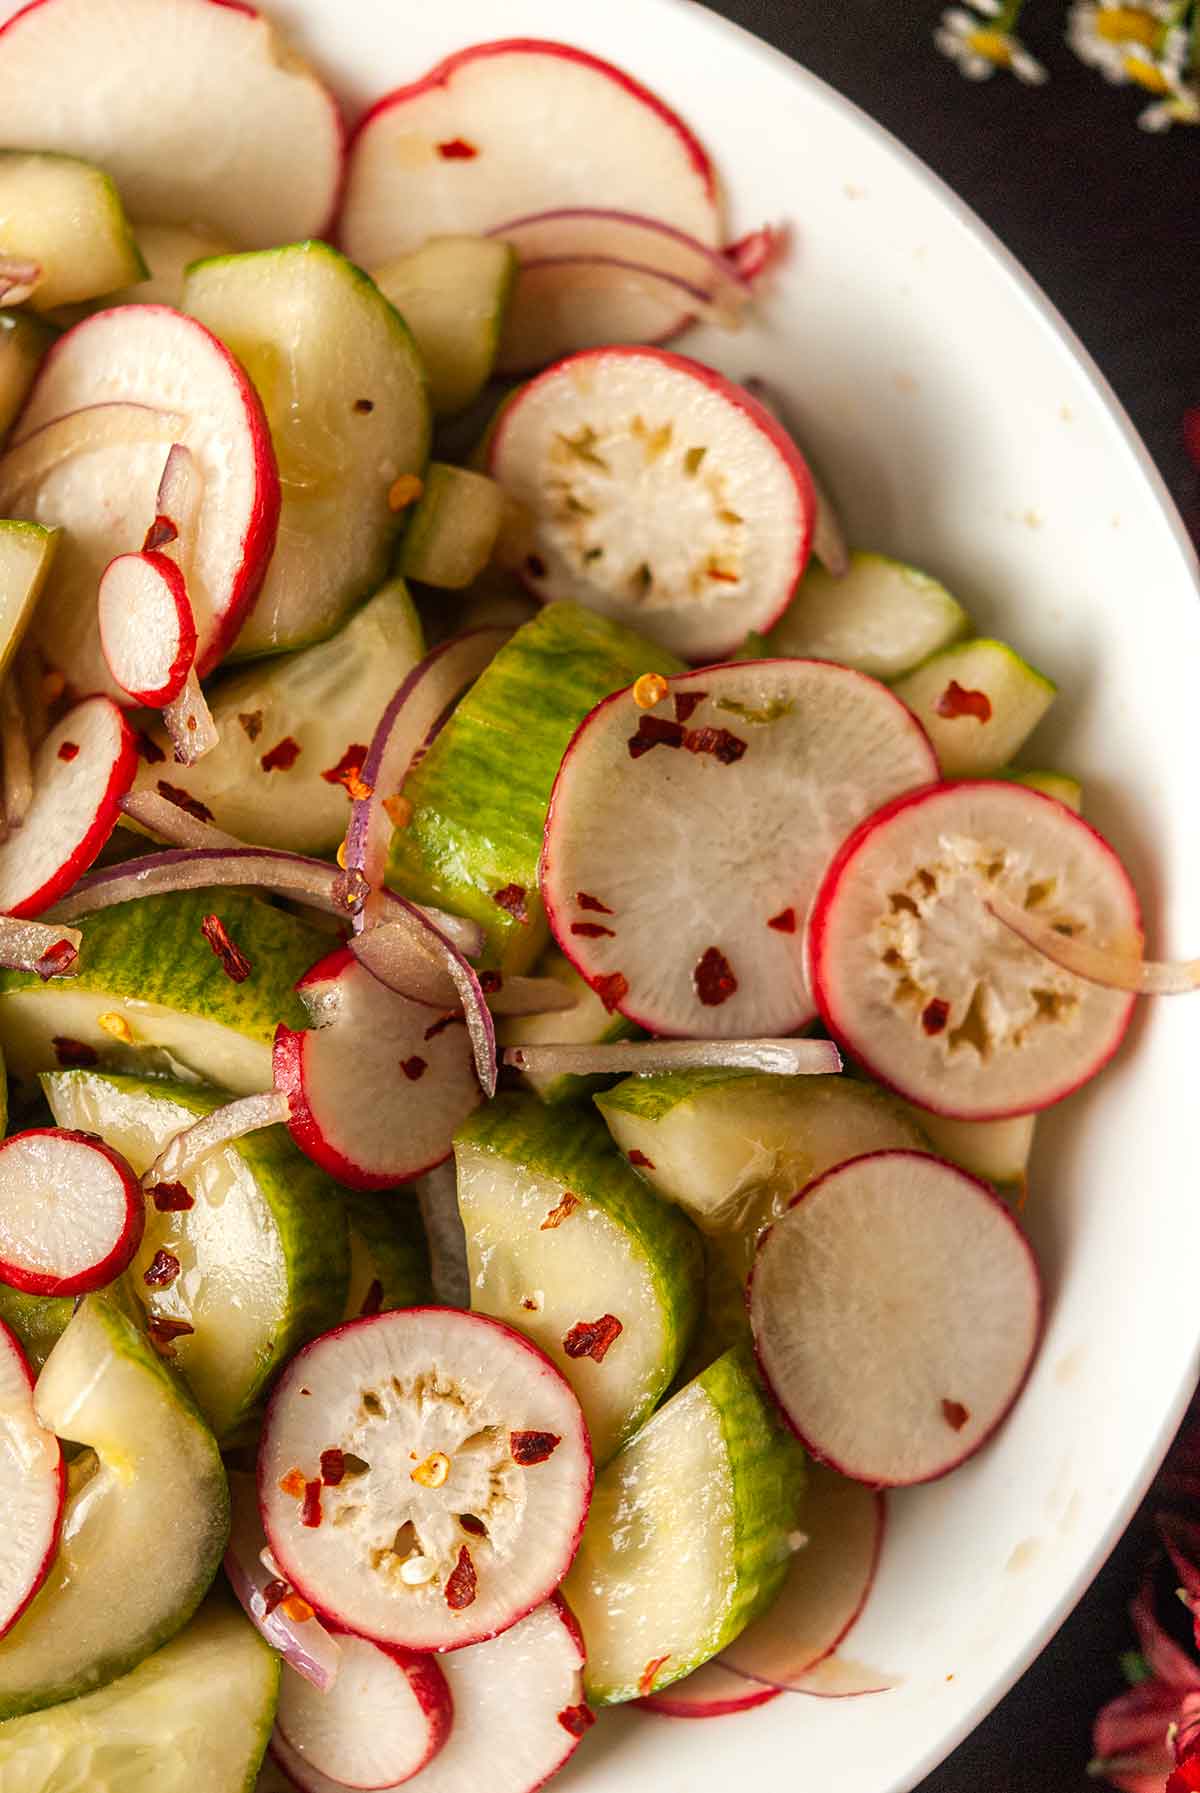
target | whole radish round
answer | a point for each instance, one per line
(72, 1212)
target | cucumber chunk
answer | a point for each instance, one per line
(151, 996)
(328, 700)
(453, 293)
(168, 251)
(193, 1718)
(998, 1151)
(66, 215)
(39, 1321)
(146, 1522)
(881, 617)
(560, 1231)
(1059, 785)
(589, 1023)
(26, 553)
(453, 527)
(263, 1252)
(479, 796)
(687, 1538)
(978, 702)
(389, 1259)
(344, 394)
(23, 342)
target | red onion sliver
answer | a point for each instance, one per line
(75, 432)
(189, 722)
(151, 810)
(1111, 969)
(782, 1058)
(25, 944)
(233, 1121)
(530, 996)
(305, 1645)
(18, 279)
(18, 757)
(397, 951)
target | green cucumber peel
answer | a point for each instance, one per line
(27, 553)
(452, 528)
(39, 1321)
(389, 1257)
(24, 339)
(1013, 694)
(66, 215)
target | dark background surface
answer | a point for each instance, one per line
(1107, 219)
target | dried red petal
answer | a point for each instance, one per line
(592, 930)
(713, 978)
(185, 801)
(560, 1212)
(147, 749)
(162, 1270)
(234, 962)
(461, 1585)
(576, 1720)
(56, 959)
(512, 900)
(71, 1052)
(348, 771)
(413, 1067)
(274, 1594)
(649, 1673)
(68, 750)
(252, 723)
(686, 702)
(955, 1415)
(310, 1508)
(292, 1483)
(373, 1299)
(529, 1448)
(955, 701)
(457, 149)
(612, 990)
(282, 757)
(784, 922)
(172, 1198)
(654, 731)
(640, 1158)
(161, 533)
(935, 1015)
(450, 1019)
(333, 1467)
(593, 1338)
(490, 982)
(723, 746)
(164, 1332)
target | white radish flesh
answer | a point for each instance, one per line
(32, 1485)
(460, 1480)
(685, 843)
(385, 1717)
(895, 1309)
(147, 630)
(71, 1212)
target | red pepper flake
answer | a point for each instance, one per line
(234, 962)
(68, 750)
(192, 806)
(413, 1067)
(640, 1158)
(955, 1414)
(563, 1211)
(297, 1609)
(512, 900)
(282, 757)
(164, 1332)
(274, 1594)
(147, 749)
(364, 406)
(577, 1720)
(71, 1052)
(649, 1673)
(686, 702)
(612, 989)
(56, 960)
(784, 922)
(460, 1588)
(161, 533)
(252, 723)
(935, 1015)
(449, 1019)
(490, 982)
(530, 1448)
(723, 574)
(593, 903)
(457, 149)
(724, 747)
(162, 1270)
(474, 1528)
(713, 978)
(591, 930)
(654, 731)
(593, 1338)
(348, 772)
(954, 702)
(172, 1198)
(333, 1467)
(292, 1483)
(310, 1508)
(373, 1299)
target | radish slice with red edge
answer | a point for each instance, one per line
(380, 1083)
(830, 1578)
(471, 1475)
(1094, 963)
(33, 1486)
(839, 1677)
(39, 946)
(385, 1718)
(895, 1309)
(147, 631)
(780, 1058)
(519, 1712)
(267, 1600)
(82, 770)
(709, 1692)
(661, 494)
(413, 958)
(685, 841)
(85, 429)
(71, 1212)
(918, 979)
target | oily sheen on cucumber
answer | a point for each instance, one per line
(479, 795)
(39, 1321)
(565, 1243)
(688, 1535)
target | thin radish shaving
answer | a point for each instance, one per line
(759, 250)
(247, 1115)
(187, 718)
(526, 995)
(18, 757)
(38, 946)
(266, 1596)
(77, 432)
(151, 810)
(18, 279)
(781, 1058)
(1111, 969)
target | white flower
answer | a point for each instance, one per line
(1181, 108)
(1121, 40)
(979, 49)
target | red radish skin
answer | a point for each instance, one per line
(309, 1721)
(33, 1484)
(709, 1692)
(146, 592)
(44, 1169)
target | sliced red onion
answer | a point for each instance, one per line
(526, 995)
(76, 432)
(829, 542)
(781, 1058)
(38, 946)
(247, 1115)
(18, 757)
(150, 809)
(437, 1193)
(18, 279)
(414, 957)
(177, 501)
(1095, 964)
(404, 730)
(304, 1644)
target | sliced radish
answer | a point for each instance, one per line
(919, 980)
(684, 843)
(385, 1717)
(445, 153)
(709, 1692)
(33, 1486)
(71, 1212)
(782, 1058)
(147, 630)
(82, 770)
(380, 1081)
(415, 959)
(287, 1623)
(895, 1309)
(661, 494)
(827, 1587)
(242, 135)
(102, 484)
(465, 1478)
(519, 1712)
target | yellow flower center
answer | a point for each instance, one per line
(1146, 74)
(993, 45)
(1126, 25)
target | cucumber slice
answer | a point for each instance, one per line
(168, 250)
(151, 996)
(39, 1321)
(389, 1259)
(151, 1481)
(880, 617)
(998, 1151)
(589, 1023)
(263, 1252)
(66, 215)
(560, 1233)
(1059, 785)
(344, 394)
(26, 553)
(479, 796)
(192, 1718)
(327, 699)
(453, 293)
(687, 1538)
(978, 702)
(453, 527)
(23, 342)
